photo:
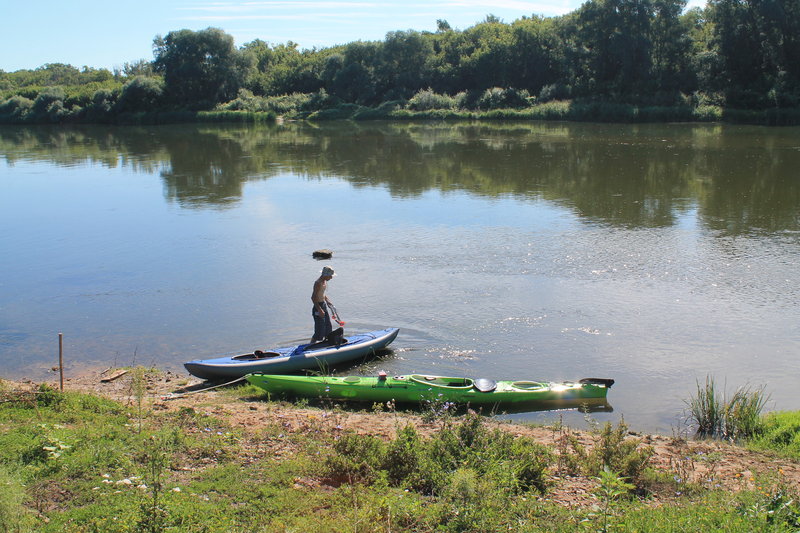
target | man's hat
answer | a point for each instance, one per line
(328, 271)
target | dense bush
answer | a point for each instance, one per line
(456, 454)
(426, 100)
(16, 109)
(614, 450)
(498, 98)
(288, 104)
(49, 105)
(141, 94)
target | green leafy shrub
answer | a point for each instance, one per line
(287, 104)
(498, 98)
(427, 99)
(530, 463)
(16, 109)
(141, 94)
(613, 450)
(402, 459)
(47, 396)
(341, 111)
(49, 105)
(510, 465)
(357, 458)
(103, 102)
(554, 91)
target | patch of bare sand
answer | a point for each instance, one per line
(714, 465)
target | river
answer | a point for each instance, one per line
(656, 255)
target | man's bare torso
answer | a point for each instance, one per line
(318, 294)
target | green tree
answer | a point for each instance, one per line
(56, 74)
(141, 67)
(614, 46)
(736, 42)
(283, 68)
(351, 76)
(484, 56)
(201, 69)
(404, 64)
(536, 54)
(671, 47)
(758, 44)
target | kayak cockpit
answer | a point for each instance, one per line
(441, 381)
(258, 354)
(528, 385)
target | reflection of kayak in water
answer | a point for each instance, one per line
(415, 388)
(317, 356)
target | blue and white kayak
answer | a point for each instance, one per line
(317, 356)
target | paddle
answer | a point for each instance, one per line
(335, 314)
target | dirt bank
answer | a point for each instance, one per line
(711, 464)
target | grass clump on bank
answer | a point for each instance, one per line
(735, 418)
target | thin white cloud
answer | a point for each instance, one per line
(305, 16)
(244, 17)
(515, 5)
(242, 6)
(390, 10)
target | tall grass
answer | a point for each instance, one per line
(737, 418)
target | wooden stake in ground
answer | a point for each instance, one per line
(61, 360)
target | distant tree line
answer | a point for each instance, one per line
(742, 54)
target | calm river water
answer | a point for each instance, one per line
(653, 254)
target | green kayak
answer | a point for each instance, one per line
(417, 388)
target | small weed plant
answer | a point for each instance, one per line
(612, 489)
(152, 511)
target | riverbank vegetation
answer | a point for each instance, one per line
(232, 461)
(643, 60)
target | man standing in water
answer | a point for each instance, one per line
(320, 312)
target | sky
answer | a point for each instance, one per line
(108, 34)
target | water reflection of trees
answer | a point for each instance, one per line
(740, 179)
